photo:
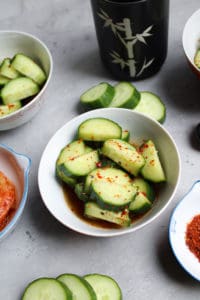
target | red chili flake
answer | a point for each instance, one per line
(124, 212)
(99, 175)
(72, 158)
(192, 236)
(10, 106)
(152, 162)
(99, 164)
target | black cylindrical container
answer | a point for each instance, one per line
(132, 36)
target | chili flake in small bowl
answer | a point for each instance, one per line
(184, 231)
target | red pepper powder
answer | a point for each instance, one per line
(192, 236)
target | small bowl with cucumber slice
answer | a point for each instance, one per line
(191, 41)
(25, 72)
(108, 172)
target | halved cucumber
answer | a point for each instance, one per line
(99, 129)
(152, 106)
(124, 154)
(94, 211)
(47, 288)
(105, 287)
(144, 187)
(79, 287)
(152, 169)
(98, 96)
(10, 108)
(18, 89)
(7, 70)
(26, 66)
(197, 59)
(4, 80)
(140, 204)
(126, 96)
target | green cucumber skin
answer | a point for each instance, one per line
(60, 174)
(68, 293)
(145, 187)
(85, 283)
(140, 206)
(92, 278)
(79, 191)
(101, 102)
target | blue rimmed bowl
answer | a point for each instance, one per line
(16, 167)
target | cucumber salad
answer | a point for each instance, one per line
(73, 287)
(124, 95)
(113, 178)
(20, 79)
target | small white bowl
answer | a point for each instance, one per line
(191, 39)
(141, 127)
(12, 42)
(182, 215)
(16, 167)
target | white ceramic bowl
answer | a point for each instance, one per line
(16, 167)
(141, 127)
(191, 39)
(187, 208)
(12, 42)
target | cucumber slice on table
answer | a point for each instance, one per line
(152, 169)
(99, 129)
(152, 106)
(26, 66)
(197, 59)
(10, 108)
(79, 287)
(18, 89)
(94, 211)
(104, 286)
(124, 154)
(98, 96)
(47, 288)
(126, 96)
(7, 70)
(140, 204)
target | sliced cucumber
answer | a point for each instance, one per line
(140, 204)
(126, 96)
(111, 195)
(107, 174)
(10, 108)
(152, 106)
(144, 187)
(7, 70)
(152, 169)
(105, 287)
(26, 66)
(80, 288)
(3, 80)
(124, 154)
(197, 59)
(99, 129)
(18, 89)
(125, 135)
(93, 211)
(47, 288)
(98, 96)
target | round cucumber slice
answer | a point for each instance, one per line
(47, 288)
(98, 96)
(126, 96)
(80, 288)
(152, 106)
(104, 286)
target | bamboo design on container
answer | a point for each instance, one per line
(129, 40)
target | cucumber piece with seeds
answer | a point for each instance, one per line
(99, 129)
(26, 66)
(126, 96)
(18, 89)
(152, 106)
(98, 96)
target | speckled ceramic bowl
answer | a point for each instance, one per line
(141, 128)
(16, 167)
(191, 40)
(12, 42)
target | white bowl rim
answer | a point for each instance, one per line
(197, 12)
(19, 211)
(116, 233)
(171, 224)
(49, 75)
